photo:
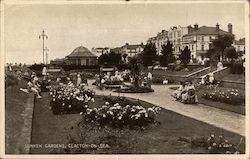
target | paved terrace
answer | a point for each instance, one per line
(162, 97)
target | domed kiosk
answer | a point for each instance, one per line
(81, 56)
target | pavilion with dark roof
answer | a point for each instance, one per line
(81, 56)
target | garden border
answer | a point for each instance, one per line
(26, 131)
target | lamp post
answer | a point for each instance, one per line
(43, 36)
(46, 54)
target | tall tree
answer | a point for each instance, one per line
(231, 53)
(110, 59)
(149, 54)
(222, 42)
(167, 54)
(185, 56)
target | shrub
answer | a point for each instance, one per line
(10, 79)
(118, 116)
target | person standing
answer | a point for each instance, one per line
(150, 76)
(79, 80)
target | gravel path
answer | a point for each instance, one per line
(162, 97)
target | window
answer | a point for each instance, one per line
(179, 33)
(202, 47)
(192, 47)
(210, 46)
(202, 38)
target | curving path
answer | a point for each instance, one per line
(162, 97)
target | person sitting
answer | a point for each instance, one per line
(177, 93)
(189, 96)
(34, 88)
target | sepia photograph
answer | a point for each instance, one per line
(124, 77)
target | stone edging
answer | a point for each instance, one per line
(27, 116)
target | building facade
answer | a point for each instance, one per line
(175, 35)
(199, 41)
(131, 50)
(160, 39)
(100, 50)
(239, 45)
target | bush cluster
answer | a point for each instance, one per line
(68, 99)
(115, 115)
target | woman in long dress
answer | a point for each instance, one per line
(79, 80)
(189, 96)
(177, 93)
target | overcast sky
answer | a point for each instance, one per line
(111, 25)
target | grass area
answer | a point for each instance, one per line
(15, 101)
(235, 78)
(229, 107)
(164, 137)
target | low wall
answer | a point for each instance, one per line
(191, 76)
(27, 116)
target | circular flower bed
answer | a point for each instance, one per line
(68, 99)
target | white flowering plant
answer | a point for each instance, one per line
(119, 116)
(230, 96)
(67, 99)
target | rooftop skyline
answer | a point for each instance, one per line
(105, 25)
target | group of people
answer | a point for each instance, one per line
(33, 85)
(186, 93)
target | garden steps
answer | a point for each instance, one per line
(218, 74)
(162, 97)
(190, 76)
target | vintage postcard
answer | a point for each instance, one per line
(121, 79)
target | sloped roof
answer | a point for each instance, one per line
(204, 30)
(81, 52)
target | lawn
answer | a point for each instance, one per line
(169, 136)
(15, 101)
(235, 77)
(225, 106)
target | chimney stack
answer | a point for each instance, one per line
(217, 27)
(196, 26)
(230, 28)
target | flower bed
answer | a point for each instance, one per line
(68, 99)
(230, 96)
(216, 145)
(119, 116)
